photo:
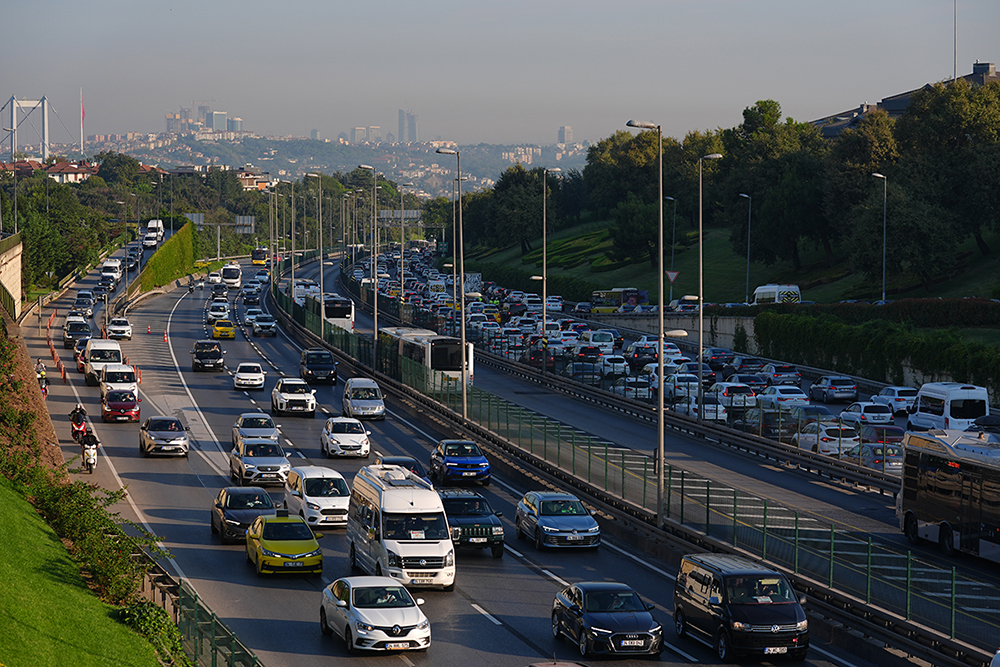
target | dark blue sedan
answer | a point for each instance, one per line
(606, 617)
(459, 461)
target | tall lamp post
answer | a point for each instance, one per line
(746, 299)
(319, 244)
(461, 278)
(660, 420)
(701, 283)
(374, 261)
(673, 244)
(402, 247)
(885, 192)
(545, 266)
(13, 143)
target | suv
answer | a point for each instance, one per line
(293, 395)
(75, 328)
(218, 311)
(206, 354)
(317, 364)
(459, 461)
(740, 606)
(258, 462)
(743, 365)
(717, 357)
(781, 374)
(472, 521)
(265, 325)
(120, 327)
(639, 354)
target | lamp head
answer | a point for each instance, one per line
(447, 151)
(642, 124)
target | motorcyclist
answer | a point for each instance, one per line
(40, 367)
(88, 440)
(79, 414)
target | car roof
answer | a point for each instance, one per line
(312, 472)
(730, 565)
(259, 413)
(554, 495)
(588, 586)
(459, 493)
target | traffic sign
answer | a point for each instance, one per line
(673, 276)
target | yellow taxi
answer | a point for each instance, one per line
(282, 543)
(223, 329)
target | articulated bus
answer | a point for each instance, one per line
(442, 354)
(232, 275)
(950, 492)
(258, 257)
(337, 310)
(609, 301)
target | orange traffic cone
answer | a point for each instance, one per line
(149, 328)
(164, 336)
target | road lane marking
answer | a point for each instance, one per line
(486, 614)
(552, 576)
(690, 657)
(405, 660)
(831, 656)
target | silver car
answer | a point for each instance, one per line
(258, 462)
(256, 425)
(374, 614)
(163, 435)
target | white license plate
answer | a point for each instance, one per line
(468, 474)
(296, 563)
(573, 538)
(421, 581)
(631, 642)
(775, 649)
(477, 540)
(268, 475)
(393, 646)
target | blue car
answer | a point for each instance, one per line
(459, 461)
(554, 519)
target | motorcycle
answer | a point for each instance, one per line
(90, 457)
(190, 288)
(78, 429)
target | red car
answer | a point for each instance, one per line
(120, 406)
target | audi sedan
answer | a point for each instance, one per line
(373, 614)
(235, 508)
(554, 519)
(606, 617)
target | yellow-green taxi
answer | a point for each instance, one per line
(282, 543)
(223, 329)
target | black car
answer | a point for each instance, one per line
(220, 288)
(582, 371)
(84, 304)
(767, 424)
(707, 374)
(606, 617)
(639, 354)
(75, 330)
(742, 364)
(207, 355)
(317, 365)
(235, 508)
(717, 357)
(473, 523)
(588, 353)
(251, 298)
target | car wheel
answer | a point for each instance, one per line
(582, 645)
(275, 410)
(722, 648)
(486, 482)
(911, 531)
(353, 558)
(556, 630)
(349, 642)
(498, 550)
(324, 627)
(538, 539)
(680, 624)
(259, 568)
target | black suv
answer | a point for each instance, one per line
(472, 521)
(742, 364)
(206, 355)
(317, 365)
(75, 330)
(767, 423)
(639, 354)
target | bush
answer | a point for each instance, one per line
(174, 259)
(155, 625)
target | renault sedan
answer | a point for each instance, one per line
(374, 614)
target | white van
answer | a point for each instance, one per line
(99, 353)
(602, 339)
(118, 377)
(950, 405)
(112, 266)
(155, 227)
(396, 527)
(772, 293)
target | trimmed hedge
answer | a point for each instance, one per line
(174, 259)
(920, 313)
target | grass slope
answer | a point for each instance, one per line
(47, 614)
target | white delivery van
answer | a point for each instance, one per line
(602, 339)
(950, 405)
(112, 266)
(155, 227)
(116, 377)
(396, 527)
(773, 293)
(99, 353)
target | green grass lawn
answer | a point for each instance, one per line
(47, 614)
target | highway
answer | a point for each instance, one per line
(499, 611)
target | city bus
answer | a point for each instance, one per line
(258, 256)
(441, 354)
(950, 493)
(337, 310)
(232, 275)
(609, 301)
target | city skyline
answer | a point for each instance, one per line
(508, 74)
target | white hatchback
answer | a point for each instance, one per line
(782, 397)
(249, 375)
(865, 412)
(344, 436)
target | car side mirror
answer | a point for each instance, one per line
(714, 600)
(419, 601)
(498, 514)
(368, 432)
(342, 603)
(192, 352)
(138, 400)
(574, 608)
(912, 409)
(318, 536)
(802, 599)
(296, 494)
(187, 428)
(313, 392)
(650, 607)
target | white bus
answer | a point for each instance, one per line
(441, 354)
(232, 275)
(337, 310)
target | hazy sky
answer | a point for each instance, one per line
(494, 72)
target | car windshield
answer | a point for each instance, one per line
(467, 507)
(295, 388)
(78, 327)
(326, 487)
(247, 501)
(223, 324)
(264, 319)
(613, 601)
(375, 597)
(263, 450)
(119, 376)
(119, 323)
(257, 422)
(164, 425)
(281, 531)
(105, 355)
(562, 508)
(365, 394)
(121, 397)
(834, 432)
(415, 526)
(766, 589)
(462, 449)
(319, 358)
(842, 382)
(207, 347)
(248, 368)
(346, 427)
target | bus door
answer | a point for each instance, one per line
(972, 500)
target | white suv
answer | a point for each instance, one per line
(317, 494)
(293, 395)
(120, 327)
(218, 311)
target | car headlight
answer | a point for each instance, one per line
(393, 558)
(450, 464)
(312, 506)
(595, 529)
(364, 627)
(449, 560)
(265, 552)
(316, 552)
(656, 629)
(802, 625)
(365, 443)
(600, 631)
(498, 530)
(249, 466)
(232, 523)
(745, 627)
(424, 625)
(549, 529)
(285, 466)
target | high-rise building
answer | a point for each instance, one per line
(565, 134)
(204, 115)
(374, 134)
(359, 135)
(412, 131)
(218, 123)
(402, 127)
(314, 135)
(234, 125)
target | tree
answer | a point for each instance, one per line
(635, 234)
(117, 168)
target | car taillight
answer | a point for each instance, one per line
(877, 461)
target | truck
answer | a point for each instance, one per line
(155, 227)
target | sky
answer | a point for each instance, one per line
(473, 71)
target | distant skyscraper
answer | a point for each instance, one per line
(234, 125)
(565, 134)
(204, 117)
(402, 127)
(374, 134)
(359, 135)
(412, 131)
(314, 135)
(219, 121)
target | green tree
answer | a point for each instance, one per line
(117, 168)
(635, 232)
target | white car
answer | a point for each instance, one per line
(344, 436)
(710, 408)
(317, 494)
(781, 397)
(825, 438)
(214, 278)
(554, 303)
(613, 365)
(897, 399)
(251, 315)
(363, 611)
(679, 385)
(255, 426)
(249, 375)
(733, 394)
(120, 327)
(865, 412)
(293, 395)
(218, 311)
(633, 387)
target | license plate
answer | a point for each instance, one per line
(468, 474)
(775, 650)
(268, 475)
(477, 540)
(573, 538)
(392, 646)
(631, 642)
(295, 563)
(421, 581)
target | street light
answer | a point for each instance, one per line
(885, 192)
(545, 266)
(461, 277)
(374, 255)
(319, 244)
(13, 143)
(701, 284)
(402, 248)
(746, 299)
(673, 244)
